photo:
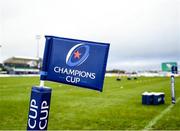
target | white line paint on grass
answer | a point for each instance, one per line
(158, 117)
(18, 85)
(26, 75)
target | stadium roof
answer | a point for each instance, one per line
(20, 60)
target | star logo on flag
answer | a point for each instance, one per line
(77, 55)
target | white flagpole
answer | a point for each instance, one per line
(41, 83)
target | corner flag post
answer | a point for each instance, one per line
(68, 61)
(173, 89)
(173, 71)
(39, 107)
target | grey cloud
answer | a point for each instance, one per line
(138, 30)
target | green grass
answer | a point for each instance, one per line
(79, 108)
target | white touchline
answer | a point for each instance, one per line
(4, 86)
(158, 117)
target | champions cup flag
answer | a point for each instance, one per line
(75, 62)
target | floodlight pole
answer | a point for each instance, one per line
(38, 38)
(37, 55)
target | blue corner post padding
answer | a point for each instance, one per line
(39, 107)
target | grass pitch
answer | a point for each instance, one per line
(117, 107)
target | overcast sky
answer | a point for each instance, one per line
(142, 33)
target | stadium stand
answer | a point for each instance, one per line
(1, 66)
(22, 65)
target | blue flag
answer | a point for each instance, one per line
(75, 62)
(174, 69)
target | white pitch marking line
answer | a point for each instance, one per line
(154, 121)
